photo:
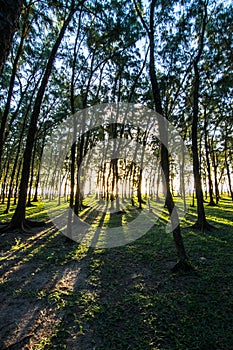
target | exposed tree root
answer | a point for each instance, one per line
(23, 227)
(182, 265)
(32, 223)
(30, 204)
(212, 204)
(202, 226)
(8, 227)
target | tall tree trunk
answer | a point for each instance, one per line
(18, 218)
(182, 177)
(201, 218)
(3, 133)
(78, 205)
(180, 249)
(16, 163)
(29, 204)
(35, 198)
(228, 169)
(214, 161)
(73, 147)
(4, 183)
(210, 183)
(17, 182)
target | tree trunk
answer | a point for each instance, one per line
(35, 198)
(4, 183)
(210, 183)
(20, 212)
(201, 218)
(29, 204)
(73, 147)
(214, 161)
(180, 249)
(3, 133)
(15, 164)
(17, 182)
(228, 170)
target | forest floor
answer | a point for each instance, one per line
(58, 294)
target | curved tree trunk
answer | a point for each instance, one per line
(180, 249)
(18, 218)
(3, 133)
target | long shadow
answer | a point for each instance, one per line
(129, 301)
(119, 298)
(101, 312)
(34, 268)
(29, 281)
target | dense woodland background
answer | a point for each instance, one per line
(59, 57)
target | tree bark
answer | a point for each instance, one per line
(228, 170)
(210, 183)
(15, 164)
(215, 166)
(201, 223)
(35, 198)
(180, 249)
(18, 218)
(3, 133)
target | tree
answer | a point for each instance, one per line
(3, 133)
(10, 11)
(150, 30)
(18, 220)
(201, 223)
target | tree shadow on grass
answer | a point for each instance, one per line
(33, 275)
(57, 295)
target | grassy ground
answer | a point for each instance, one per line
(57, 294)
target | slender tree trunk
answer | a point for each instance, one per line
(139, 188)
(15, 164)
(74, 144)
(17, 182)
(157, 183)
(210, 183)
(214, 160)
(3, 133)
(29, 204)
(201, 218)
(35, 198)
(78, 194)
(182, 182)
(20, 212)
(180, 249)
(228, 170)
(164, 151)
(4, 183)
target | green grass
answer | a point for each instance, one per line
(126, 297)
